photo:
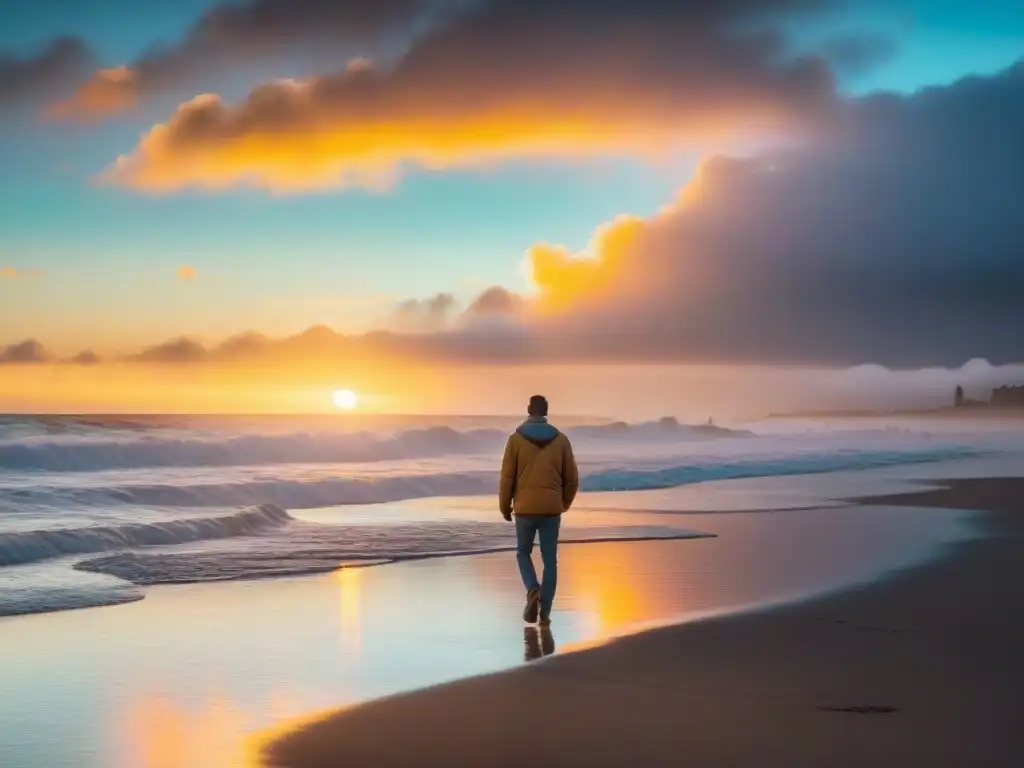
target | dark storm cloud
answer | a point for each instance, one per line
(897, 240)
(28, 80)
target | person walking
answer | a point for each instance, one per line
(539, 480)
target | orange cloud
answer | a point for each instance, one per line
(661, 257)
(107, 92)
(562, 79)
(187, 273)
(562, 278)
(322, 151)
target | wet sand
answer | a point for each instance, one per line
(925, 668)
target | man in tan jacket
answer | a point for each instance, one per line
(539, 480)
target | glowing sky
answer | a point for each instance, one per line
(469, 148)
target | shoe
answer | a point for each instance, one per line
(532, 606)
(545, 620)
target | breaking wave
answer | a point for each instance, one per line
(840, 461)
(283, 492)
(90, 454)
(22, 547)
(330, 490)
(134, 448)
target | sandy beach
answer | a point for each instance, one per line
(921, 669)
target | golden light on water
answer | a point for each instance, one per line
(162, 733)
(346, 399)
(350, 583)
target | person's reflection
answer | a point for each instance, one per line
(539, 642)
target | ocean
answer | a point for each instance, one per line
(94, 509)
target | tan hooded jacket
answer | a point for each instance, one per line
(538, 472)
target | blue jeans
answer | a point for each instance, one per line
(527, 529)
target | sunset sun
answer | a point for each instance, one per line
(345, 399)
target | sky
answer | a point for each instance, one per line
(496, 182)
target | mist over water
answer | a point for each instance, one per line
(579, 394)
(732, 394)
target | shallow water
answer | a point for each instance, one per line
(186, 676)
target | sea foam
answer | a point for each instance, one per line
(22, 547)
(304, 548)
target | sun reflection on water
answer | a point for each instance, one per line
(605, 584)
(160, 733)
(350, 582)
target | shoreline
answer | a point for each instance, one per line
(355, 563)
(884, 672)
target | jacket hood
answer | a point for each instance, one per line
(540, 433)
